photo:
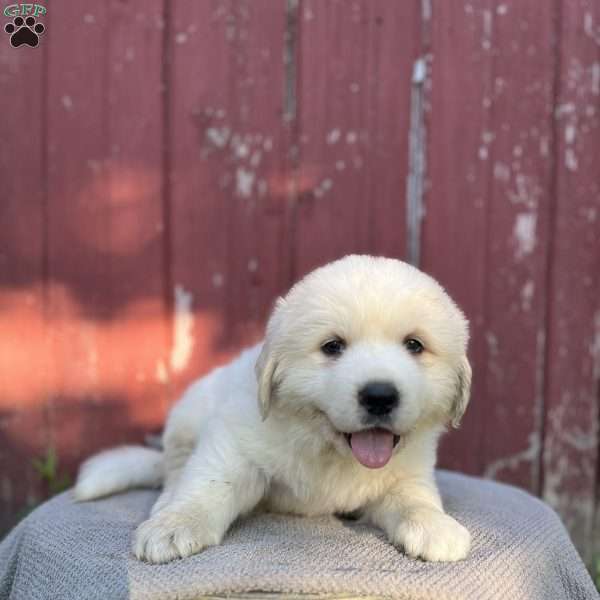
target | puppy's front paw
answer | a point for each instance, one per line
(168, 535)
(433, 536)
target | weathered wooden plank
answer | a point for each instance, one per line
(573, 357)
(488, 209)
(227, 176)
(456, 198)
(23, 426)
(105, 224)
(517, 251)
(354, 78)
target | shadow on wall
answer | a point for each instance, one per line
(72, 428)
(104, 320)
(76, 383)
(111, 240)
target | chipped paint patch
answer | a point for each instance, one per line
(67, 102)
(527, 292)
(417, 155)
(218, 136)
(426, 10)
(513, 461)
(333, 136)
(589, 28)
(570, 133)
(486, 42)
(595, 78)
(183, 339)
(571, 159)
(569, 459)
(161, 372)
(255, 159)
(218, 280)
(524, 233)
(241, 149)
(323, 188)
(244, 181)
(527, 192)
(501, 171)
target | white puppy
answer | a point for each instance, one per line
(363, 366)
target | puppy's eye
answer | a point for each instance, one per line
(333, 347)
(413, 345)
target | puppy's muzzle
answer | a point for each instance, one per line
(379, 398)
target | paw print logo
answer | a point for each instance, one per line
(24, 31)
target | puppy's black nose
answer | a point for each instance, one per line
(378, 397)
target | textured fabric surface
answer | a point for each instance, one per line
(81, 551)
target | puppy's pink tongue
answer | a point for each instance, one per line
(372, 448)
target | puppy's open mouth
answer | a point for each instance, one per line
(373, 447)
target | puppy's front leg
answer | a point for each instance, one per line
(216, 485)
(177, 451)
(412, 516)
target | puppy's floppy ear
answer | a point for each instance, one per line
(266, 363)
(463, 392)
(265, 371)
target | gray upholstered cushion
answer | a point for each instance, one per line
(81, 551)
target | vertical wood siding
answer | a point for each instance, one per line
(169, 168)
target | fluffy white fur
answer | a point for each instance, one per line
(267, 429)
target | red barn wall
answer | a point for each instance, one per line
(168, 168)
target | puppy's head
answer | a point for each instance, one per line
(369, 348)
